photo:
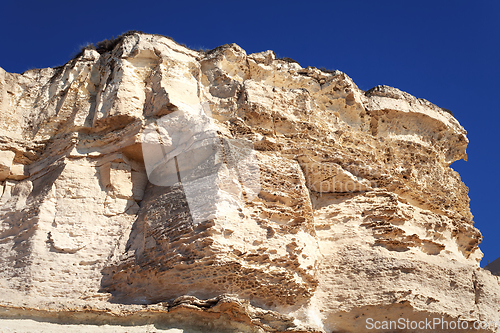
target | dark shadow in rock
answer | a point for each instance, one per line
(160, 237)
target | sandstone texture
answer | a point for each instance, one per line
(146, 184)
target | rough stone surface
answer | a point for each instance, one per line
(357, 215)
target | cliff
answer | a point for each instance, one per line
(145, 183)
(494, 266)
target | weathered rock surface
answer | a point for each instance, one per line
(357, 213)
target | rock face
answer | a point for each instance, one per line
(147, 183)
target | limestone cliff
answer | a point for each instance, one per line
(145, 183)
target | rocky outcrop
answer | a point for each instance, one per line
(147, 183)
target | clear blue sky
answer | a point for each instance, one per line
(447, 52)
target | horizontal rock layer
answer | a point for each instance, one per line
(261, 195)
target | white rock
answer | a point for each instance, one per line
(229, 186)
(6, 159)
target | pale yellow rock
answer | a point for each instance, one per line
(121, 179)
(18, 172)
(150, 184)
(6, 158)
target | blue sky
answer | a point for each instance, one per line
(447, 52)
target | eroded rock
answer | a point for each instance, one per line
(150, 183)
